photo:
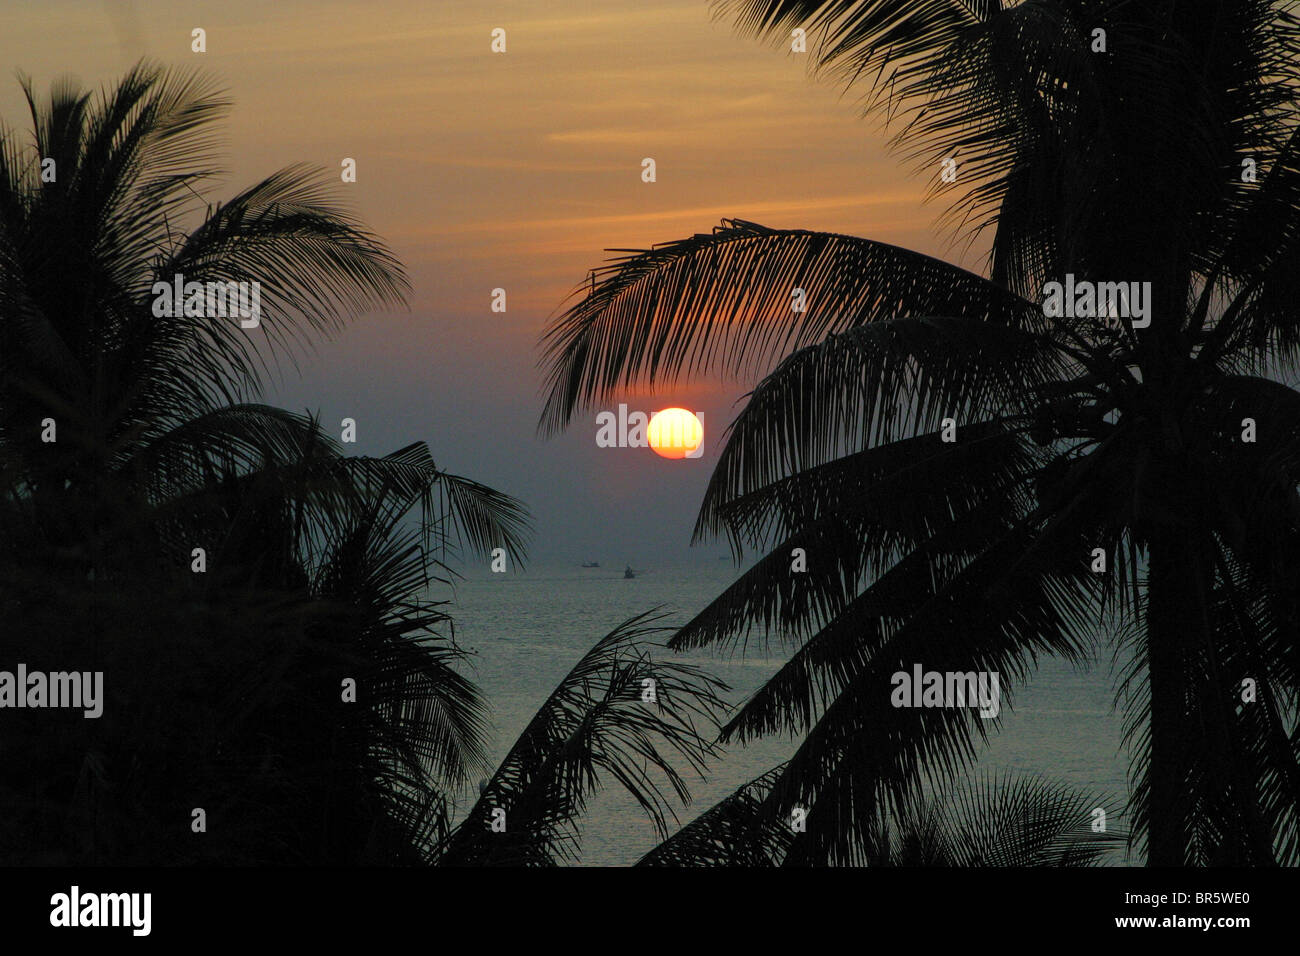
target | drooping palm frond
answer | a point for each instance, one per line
(454, 511)
(1008, 821)
(873, 389)
(725, 301)
(987, 820)
(619, 717)
(853, 521)
(483, 518)
(1027, 97)
(315, 263)
(1248, 259)
(731, 833)
(1258, 328)
(987, 86)
(862, 750)
(233, 438)
(864, 37)
(181, 464)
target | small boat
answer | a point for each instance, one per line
(591, 564)
(628, 573)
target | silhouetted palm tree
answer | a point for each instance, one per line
(1124, 155)
(224, 688)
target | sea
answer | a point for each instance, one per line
(526, 630)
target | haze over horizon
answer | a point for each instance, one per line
(737, 129)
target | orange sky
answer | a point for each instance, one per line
(486, 170)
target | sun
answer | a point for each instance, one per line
(674, 433)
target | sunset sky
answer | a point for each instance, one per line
(484, 170)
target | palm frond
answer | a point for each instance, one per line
(731, 833)
(596, 728)
(724, 302)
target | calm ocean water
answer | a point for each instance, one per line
(527, 630)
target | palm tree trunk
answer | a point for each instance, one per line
(1171, 619)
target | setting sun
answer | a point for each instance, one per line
(674, 433)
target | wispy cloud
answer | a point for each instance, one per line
(699, 215)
